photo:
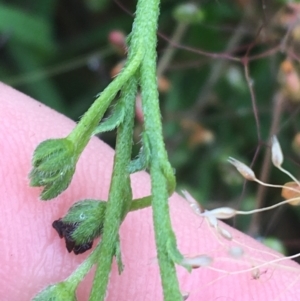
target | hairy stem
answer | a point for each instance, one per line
(119, 196)
(77, 276)
(162, 177)
(82, 133)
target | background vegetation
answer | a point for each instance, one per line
(232, 81)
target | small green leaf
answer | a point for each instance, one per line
(143, 158)
(118, 256)
(113, 121)
(140, 163)
(169, 174)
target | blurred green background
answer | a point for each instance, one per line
(59, 53)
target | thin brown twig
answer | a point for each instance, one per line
(253, 99)
(124, 8)
(213, 55)
(264, 54)
(215, 72)
(169, 53)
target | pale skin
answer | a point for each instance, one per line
(33, 256)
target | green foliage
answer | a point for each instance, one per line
(26, 28)
(141, 162)
(54, 164)
(60, 55)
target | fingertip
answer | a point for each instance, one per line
(33, 255)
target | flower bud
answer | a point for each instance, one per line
(221, 213)
(197, 261)
(57, 292)
(81, 225)
(224, 233)
(277, 156)
(53, 164)
(243, 169)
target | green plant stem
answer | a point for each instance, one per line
(119, 196)
(162, 177)
(82, 133)
(143, 45)
(141, 203)
(164, 235)
(77, 276)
